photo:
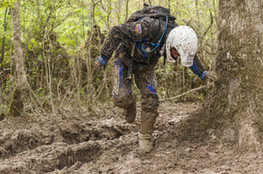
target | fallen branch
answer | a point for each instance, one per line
(7, 69)
(181, 95)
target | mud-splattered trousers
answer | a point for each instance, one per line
(131, 61)
(124, 97)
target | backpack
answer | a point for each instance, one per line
(158, 12)
(151, 11)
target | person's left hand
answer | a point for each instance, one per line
(212, 76)
(209, 75)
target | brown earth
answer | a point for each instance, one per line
(75, 143)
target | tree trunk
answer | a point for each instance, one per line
(234, 111)
(18, 52)
(17, 103)
(3, 41)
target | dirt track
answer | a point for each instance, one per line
(75, 144)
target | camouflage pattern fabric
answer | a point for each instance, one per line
(149, 99)
(122, 93)
(123, 37)
(124, 97)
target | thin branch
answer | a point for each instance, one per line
(188, 92)
(150, 2)
(7, 69)
(211, 23)
(127, 10)
(188, 23)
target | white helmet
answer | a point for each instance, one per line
(184, 40)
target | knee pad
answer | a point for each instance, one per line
(150, 102)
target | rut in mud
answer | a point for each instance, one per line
(77, 143)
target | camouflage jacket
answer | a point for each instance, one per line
(127, 40)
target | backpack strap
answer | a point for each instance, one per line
(157, 45)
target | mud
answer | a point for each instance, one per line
(75, 143)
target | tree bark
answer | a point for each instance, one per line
(22, 89)
(3, 41)
(234, 111)
(18, 52)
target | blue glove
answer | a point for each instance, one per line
(209, 75)
(203, 75)
(102, 60)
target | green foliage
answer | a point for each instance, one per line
(7, 3)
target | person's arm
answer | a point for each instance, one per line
(198, 68)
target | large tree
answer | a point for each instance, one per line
(235, 111)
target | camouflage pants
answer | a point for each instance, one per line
(123, 95)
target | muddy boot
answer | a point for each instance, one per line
(145, 142)
(130, 113)
(147, 122)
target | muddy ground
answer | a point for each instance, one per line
(75, 143)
